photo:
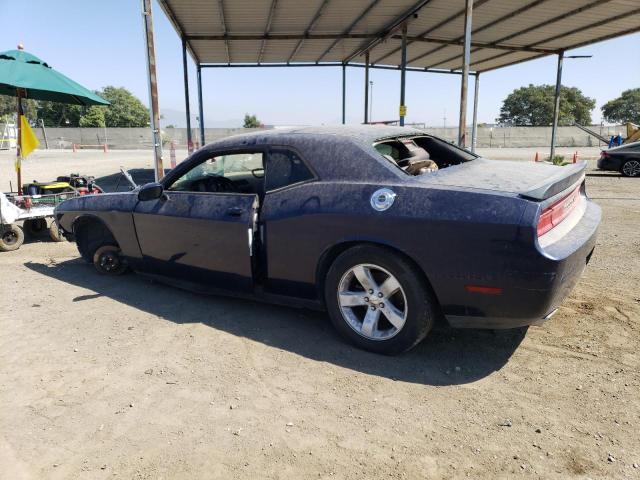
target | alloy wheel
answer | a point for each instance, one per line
(631, 168)
(372, 302)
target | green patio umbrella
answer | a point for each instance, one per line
(24, 75)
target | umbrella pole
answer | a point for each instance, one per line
(19, 144)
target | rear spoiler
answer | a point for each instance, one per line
(566, 177)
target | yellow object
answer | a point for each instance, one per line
(633, 133)
(28, 140)
(51, 185)
(403, 110)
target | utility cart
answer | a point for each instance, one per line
(33, 213)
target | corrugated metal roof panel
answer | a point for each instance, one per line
(502, 29)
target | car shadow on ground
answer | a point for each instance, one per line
(446, 357)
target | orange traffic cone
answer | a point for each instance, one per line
(537, 159)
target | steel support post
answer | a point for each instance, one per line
(153, 88)
(462, 124)
(344, 94)
(200, 106)
(187, 105)
(403, 74)
(366, 88)
(474, 127)
(556, 106)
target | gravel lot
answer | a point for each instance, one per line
(122, 378)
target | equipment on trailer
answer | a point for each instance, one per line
(35, 209)
(633, 135)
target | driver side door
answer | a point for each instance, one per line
(201, 229)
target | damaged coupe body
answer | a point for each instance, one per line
(387, 228)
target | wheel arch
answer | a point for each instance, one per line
(330, 254)
(88, 219)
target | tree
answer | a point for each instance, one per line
(125, 110)
(8, 106)
(533, 106)
(625, 108)
(94, 117)
(251, 121)
(56, 114)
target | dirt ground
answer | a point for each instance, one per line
(105, 378)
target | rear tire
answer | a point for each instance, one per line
(55, 233)
(631, 168)
(34, 226)
(11, 237)
(391, 310)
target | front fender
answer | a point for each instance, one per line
(114, 210)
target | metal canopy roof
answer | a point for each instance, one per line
(232, 32)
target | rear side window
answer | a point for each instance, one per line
(285, 167)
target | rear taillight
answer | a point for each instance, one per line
(604, 155)
(556, 213)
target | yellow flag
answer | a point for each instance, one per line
(28, 140)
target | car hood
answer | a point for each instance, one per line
(537, 181)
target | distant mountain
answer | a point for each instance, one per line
(178, 119)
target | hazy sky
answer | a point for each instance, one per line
(99, 43)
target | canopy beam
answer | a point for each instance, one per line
(223, 24)
(366, 88)
(556, 106)
(344, 93)
(307, 30)
(464, 84)
(347, 30)
(495, 45)
(551, 21)
(403, 75)
(389, 29)
(187, 105)
(474, 125)
(267, 28)
(200, 106)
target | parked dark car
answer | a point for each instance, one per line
(387, 228)
(624, 159)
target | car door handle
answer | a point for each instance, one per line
(234, 212)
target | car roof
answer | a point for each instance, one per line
(366, 134)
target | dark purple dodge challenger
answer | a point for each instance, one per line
(387, 228)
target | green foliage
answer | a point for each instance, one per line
(251, 121)
(559, 160)
(8, 106)
(125, 110)
(625, 108)
(533, 106)
(59, 114)
(94, 117)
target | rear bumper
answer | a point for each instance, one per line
(532, 295)
(609, 164)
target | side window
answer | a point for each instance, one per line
(236, 172)
(388, 150)
(285, 167)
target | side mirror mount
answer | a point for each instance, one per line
(150, 191)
